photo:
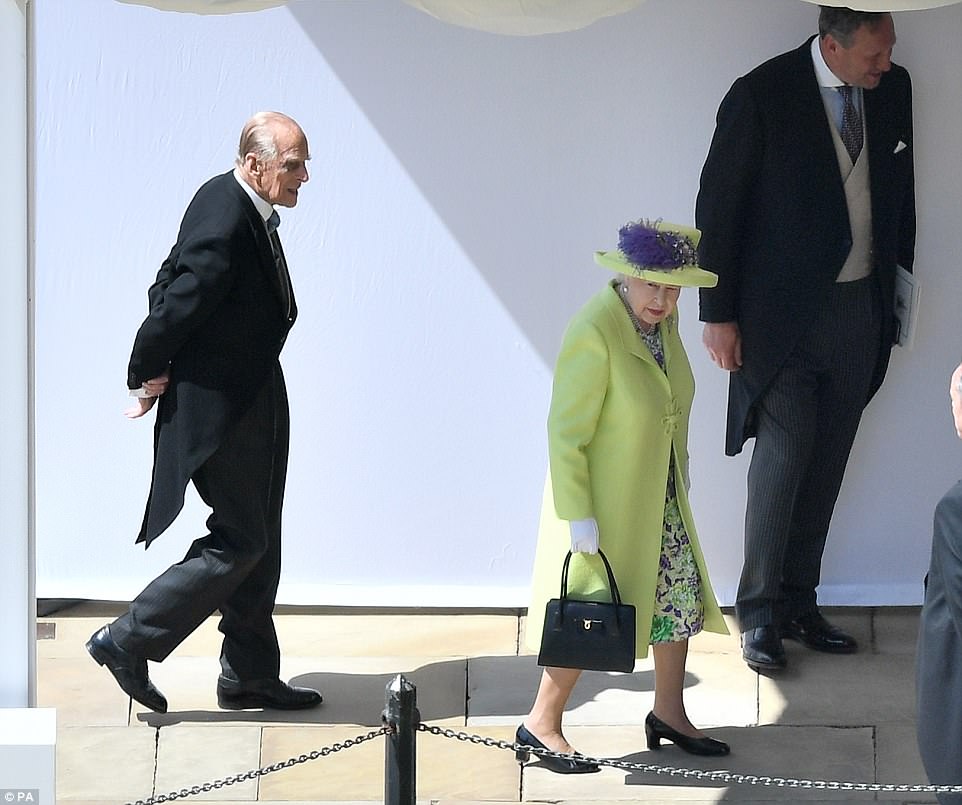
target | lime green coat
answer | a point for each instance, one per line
(615, 420)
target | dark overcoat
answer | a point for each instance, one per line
(939, 655)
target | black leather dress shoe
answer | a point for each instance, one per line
(762, 649)
(656, 729)
(129, 671)
(555, 764)
(814, 631)
(264, 694)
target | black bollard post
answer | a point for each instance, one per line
(400, 756)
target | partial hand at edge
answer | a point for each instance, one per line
(723, 340)
(584, 536)
(955, 394)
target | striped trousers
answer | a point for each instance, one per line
(806, 423)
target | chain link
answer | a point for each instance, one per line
(255, 773)
(670, 771)
(713, 776)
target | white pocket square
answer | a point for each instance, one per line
(900, 147)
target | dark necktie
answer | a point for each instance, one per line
(273, 222)
(851, 132)
(280, 263)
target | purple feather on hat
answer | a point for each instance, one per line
(649, 248)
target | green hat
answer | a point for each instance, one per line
(658, 252)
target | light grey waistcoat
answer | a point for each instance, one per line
(858, 197)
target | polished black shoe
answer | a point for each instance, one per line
(814, 631)
(264, 694)
(762, 649)
(129, 671)
(557, 764)
(656, 729)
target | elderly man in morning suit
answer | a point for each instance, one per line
(806, 207)
(220, 311)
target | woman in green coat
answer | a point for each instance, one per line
(618, 454)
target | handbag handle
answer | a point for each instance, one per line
(612, 585)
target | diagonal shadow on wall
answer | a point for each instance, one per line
(532, 150)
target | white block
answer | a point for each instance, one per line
(28, 743)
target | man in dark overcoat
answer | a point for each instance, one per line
(220, 311)
(939, 653)
(806, 207)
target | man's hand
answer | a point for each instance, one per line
(151, 389)
(955, 393)
(724, 344)
(140, 407)
(158, 385)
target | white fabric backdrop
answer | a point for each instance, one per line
(460, 182)
(513, 17)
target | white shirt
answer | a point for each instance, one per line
(265, 208)
(829, 83)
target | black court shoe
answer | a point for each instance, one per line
(556, 764)
(656, 729)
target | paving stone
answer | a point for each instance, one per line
(896, 630)
(99, 764)
(838, 690)
(204, 754)
(83, 693)
(899, 761)
(446, 768)
(407, 635)
(791, 752)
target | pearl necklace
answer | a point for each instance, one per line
(649, 334)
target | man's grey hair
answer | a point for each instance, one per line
(258, 137)
(842, 23)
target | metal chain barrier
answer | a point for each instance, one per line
(255, 773)
(713, 776)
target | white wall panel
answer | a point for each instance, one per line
(17, 644)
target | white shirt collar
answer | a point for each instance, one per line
(265, 208)
(826, 78)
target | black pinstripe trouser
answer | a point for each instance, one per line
(806, 424)
(235, 568)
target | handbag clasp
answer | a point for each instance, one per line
(588, 622)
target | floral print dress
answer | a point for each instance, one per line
(679, 608)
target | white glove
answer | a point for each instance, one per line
(584, 535)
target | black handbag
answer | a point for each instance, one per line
(590, 635)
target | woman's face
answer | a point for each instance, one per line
(652, 302)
